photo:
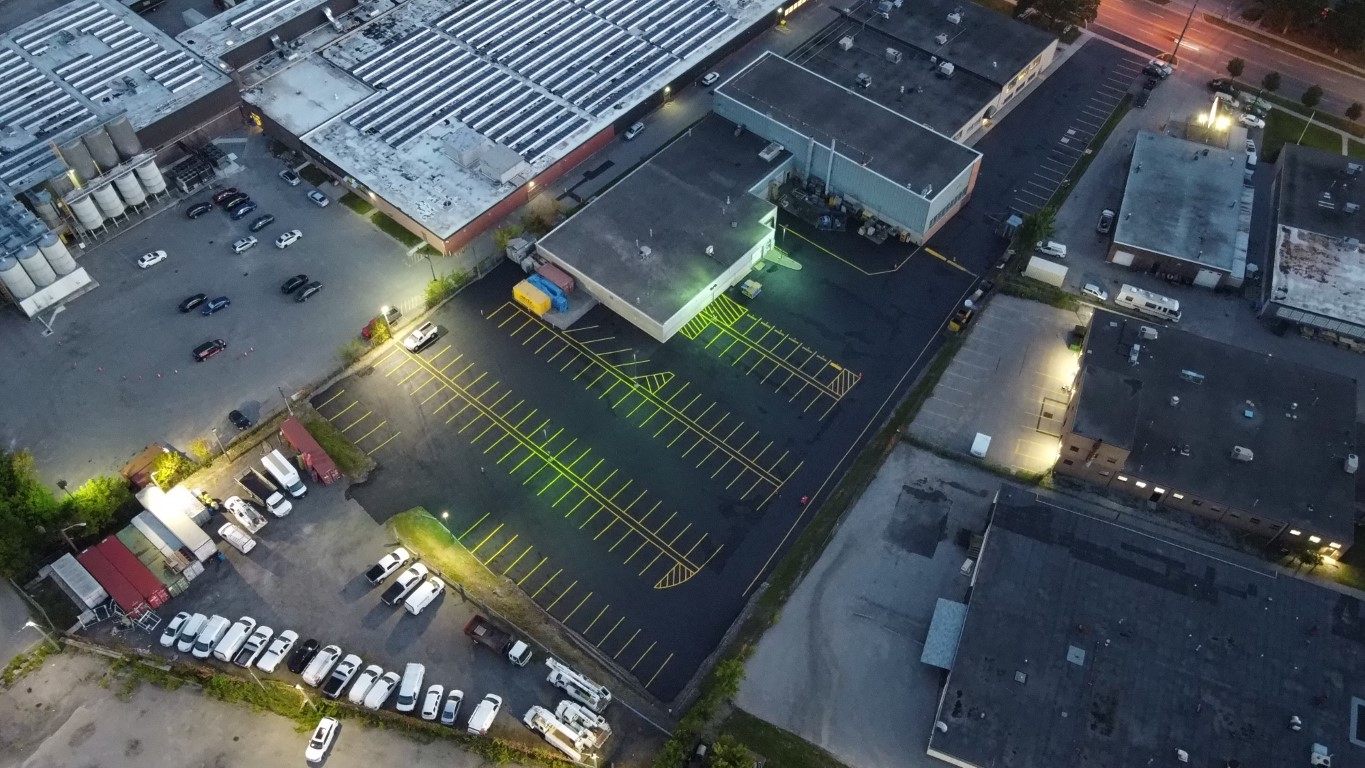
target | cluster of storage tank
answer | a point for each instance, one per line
(32, 256)
(114, 171)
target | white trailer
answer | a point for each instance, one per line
(183, 528)
(1045, 271)
(178, 499)
(78, 581)
(597, 697)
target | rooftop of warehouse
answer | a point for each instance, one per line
(1298, 421)
(80, 65)
(693, 194)
(892, 145)
(1086, 642)
(1186, 200)
(223, 32)
(448, 107)
(1319, 262)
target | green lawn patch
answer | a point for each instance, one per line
(349, 459)
(1297, 107)
(25, 663)
(1355, 148)
(1283, 128)
(1033, 290)
(314, 175)
(395, 230)
(357, 203)
(777, 746)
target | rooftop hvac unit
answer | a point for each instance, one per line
(846, 43)
(1147, 332)
(942, 38)
(1193, 377)
(945, 69)
(955, 17)
(1350, 208)
(1353, 169)
(884, 8)
(893, 55)
(1352, 463)
(1242, 454)
(771, 151)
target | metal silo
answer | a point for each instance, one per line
(108, 200)
(101, 148)
(16, 280)
(129, 189)
(151, 177)
(86, 212)
(46, 208)
(78, 159)
(125, 138)
(54, 250)
(36, 266)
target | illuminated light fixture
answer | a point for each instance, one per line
(1140, 484)
(1295, 532)
(1158, 489)
(1315, 539)
(1122, 479)
(1178, 495)
(1334, 545)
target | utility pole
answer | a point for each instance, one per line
(287, 406)
(1175, 55)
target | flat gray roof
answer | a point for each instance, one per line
(1298, 421)
(1186, 200)
(80, 65)
(534, 78)
(1319, 265)
(866, 132)
(910, 87)
(984, 42)
(678, 203)
(1087, 643)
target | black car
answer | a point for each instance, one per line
(243, 209)
(1141, 99)
(225, 194)
(1150, 84)
(192, 302)
(209, 349)
(239, 419)
(301, 655)
(236, 199)
(198, 210)
(1221, 85)
(293, 284)
(307, 291)
(261, 223)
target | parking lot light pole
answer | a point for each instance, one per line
(306, 700)
(214, 430)
(46, 636)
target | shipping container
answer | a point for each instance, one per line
(190, 535)
(169, 571)
(557, 298)
(557, 276)
(311, 455)
(531, 297)
(124, 594)
(143, 580)
(79, 583)
(178, 499)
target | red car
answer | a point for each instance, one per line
(225, 194)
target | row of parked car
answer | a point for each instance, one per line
(415, 587)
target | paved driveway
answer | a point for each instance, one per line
(118, 374)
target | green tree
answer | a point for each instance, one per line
(1037, 227)
(1312, 96)
(201, 450)
(1345, 25)
(380, 332)
(1271, 82)
(727, 752)
(1077, 13)
(30, 515)
(99, 502)
(727, 677)
(504, 235)
(170, 468)
(1290, 14)
(1236, 67)
(351, 352)
(1354, 111)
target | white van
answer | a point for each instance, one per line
(1052, 248)
(233, 639)
(237, 537)
(189, 632)
(284, 473)
(423, 595)
(209, 636)
(410, 689)
(484, 714)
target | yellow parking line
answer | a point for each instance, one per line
(613, 629)
(518, 560)
(472, 527)
(504, 548)
(533, 570)
(643, 655)
(371, 432)
(651, 563)
(575, 608)
(357, 421)
(594, 621)
(381, 445)
(486, 538)
(627, 645)
(353, 404)
(546, 584)
(329, 400)
(561, 594)
(660, 669)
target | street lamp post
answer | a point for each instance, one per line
(62, 484)
(306, 700)
(46, 636)
(214, 430)
(431, 267)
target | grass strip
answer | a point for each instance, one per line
(395, 230)
(25, 663)
(357, 203)
(348, 457)
(1282, 128)
(314, 175)
(779, 746)
(1077, 173)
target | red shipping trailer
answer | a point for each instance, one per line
(118, 587)
(132, 569)
(311, 454)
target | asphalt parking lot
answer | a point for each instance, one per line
(1008, 381)
(841, 667)
(306, 573)
(118, 373)
(639, 491)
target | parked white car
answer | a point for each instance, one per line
(387, 565)
(363, 683)
(277, 650)
(431, 705)
(322, 739)
(189, 632)
(238, 538)
(288, 238)
(245, 513)
(424, 595)
(1251, 121)
(423, 335)
(172, 630)
(318, 198)
(381, 690)
(321, 664)
(1052, 248)
(147, 260)
(245, 244)
(1094, 291)
(252, 648)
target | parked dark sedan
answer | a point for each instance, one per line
(225, 194)
(213, 305)
(262, 222)
(236, 199)
(293, 283)
(243, 209)
(302, 655)
(239, 419)
(192, 302)
(198, 210)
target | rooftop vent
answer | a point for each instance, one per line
(1242, 454)
(945, 69)
(846, 43)
(1325, 201)
(864, 80)
(1175, 400)
(1353, 243)
(955, 17)
(893, 55)
(1352, 463)
(1193, 377)
(645, 251)
(771, 151)
(1147, 332)
(942, 38)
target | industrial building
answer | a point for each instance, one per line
(1186, 213)
(949, 65)
(89, 93)
(901, 177)
(1247, 440)
(448, 116)
(1316, 279)
(1083, 642)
